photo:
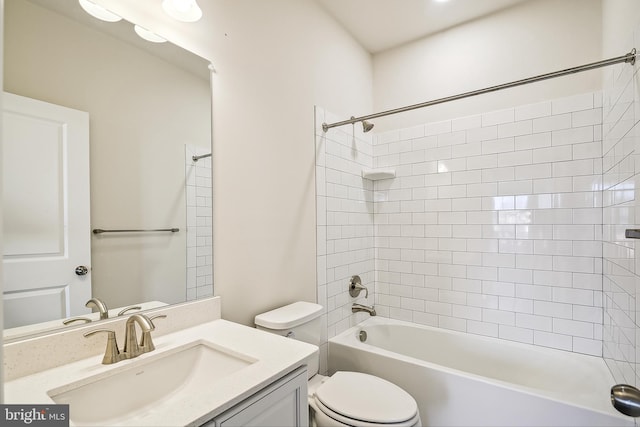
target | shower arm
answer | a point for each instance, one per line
(629, 58)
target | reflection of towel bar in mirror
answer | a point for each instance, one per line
(100, 230)
(196, 158)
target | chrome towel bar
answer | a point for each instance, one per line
(100, 230)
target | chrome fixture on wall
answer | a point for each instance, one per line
(366, 126)
(101, 231)
(196, 158)
(355, 308)
(632, 233)
(626, 399)
(356, 286)
(629, 58)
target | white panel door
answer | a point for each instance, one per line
(45, 178)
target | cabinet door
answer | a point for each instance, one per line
(284, 403)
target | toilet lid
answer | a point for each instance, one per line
(367, 398)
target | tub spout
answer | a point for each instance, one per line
(359, 307)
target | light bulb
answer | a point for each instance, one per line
(148, 35)
(182, 10)
(98, 11)
(182, 5)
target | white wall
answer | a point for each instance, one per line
(619, 20)
(274, 60)
(529, 39)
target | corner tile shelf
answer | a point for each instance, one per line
(377, 174)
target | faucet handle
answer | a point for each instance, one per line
(126, 309)
(146, 343)
(76, 319)
(356, 286)
(157, 316)
(112, 353)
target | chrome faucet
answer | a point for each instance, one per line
(359, 307)
(100, 305)
(146, 343)
(131, 347)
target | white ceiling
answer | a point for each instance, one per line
(383, 24)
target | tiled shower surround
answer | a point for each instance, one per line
(199, 200)
(492, 225)
(509, 224)
(621, 136)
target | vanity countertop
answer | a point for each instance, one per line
(275, 356)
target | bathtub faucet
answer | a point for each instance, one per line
(359, 307)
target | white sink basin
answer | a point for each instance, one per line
(141, 387)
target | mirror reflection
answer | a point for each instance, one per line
(99, 132)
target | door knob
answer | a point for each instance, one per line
(81, 270)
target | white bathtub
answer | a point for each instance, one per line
(467, 380)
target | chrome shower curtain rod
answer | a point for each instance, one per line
(628, 58)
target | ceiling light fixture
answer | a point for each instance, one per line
(98, 11)
(149, 36)
(182, 10)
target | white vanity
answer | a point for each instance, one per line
(204, 371)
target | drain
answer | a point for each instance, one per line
(362, 335)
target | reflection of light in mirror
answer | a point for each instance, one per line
(148, 35)
(98, 11)
(182, 10)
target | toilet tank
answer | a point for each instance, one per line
(299, 320)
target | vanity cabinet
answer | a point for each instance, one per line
(282, 403)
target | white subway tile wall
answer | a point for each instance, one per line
(621, 135)
(498, 225)
(508, 224)
(199, 200)
(345, 229)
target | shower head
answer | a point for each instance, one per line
(366, 126)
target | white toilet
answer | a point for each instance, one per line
(345, 398)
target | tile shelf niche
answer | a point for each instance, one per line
(377, 174)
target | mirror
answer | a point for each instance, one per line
(149, 113)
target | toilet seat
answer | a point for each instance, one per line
(365, 400)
